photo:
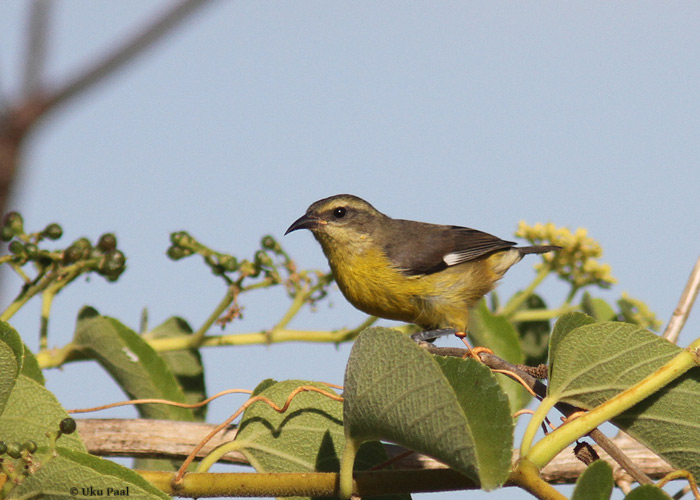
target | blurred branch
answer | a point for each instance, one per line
(19, 118)
(685, 304)
(171, 439)
(134, 46)
(37, 32)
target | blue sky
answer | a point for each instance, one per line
(477, 113)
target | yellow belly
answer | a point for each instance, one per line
(437, 300)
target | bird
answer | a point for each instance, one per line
(430, 275)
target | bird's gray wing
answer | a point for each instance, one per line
(419, 248)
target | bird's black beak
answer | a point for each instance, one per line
(304, 222)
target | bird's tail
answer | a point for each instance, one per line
(537, 249)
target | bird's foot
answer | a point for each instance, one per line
(431, 335)
(472, 352)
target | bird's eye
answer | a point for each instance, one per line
(339, 212)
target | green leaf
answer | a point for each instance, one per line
(562, 328)
(396, 391)
(30, 367)
(136, 367)
(499, 335)
(11, 356)
(596, 362)
(647, 492)
(668, 422)
(596, 482)
(486, 421)
(534, 335)
(74, 474)
(597, 308)
(308, 437)
(31, 412)
(186, 365)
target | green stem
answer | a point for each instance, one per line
(46, 301)
(546, 449)
(347, 463)
(520, 298)
(53, 358)
(197, 339)
(299, 300)
(535, 421)
(207, 462)
(527, 476)
(542, 314)
(571, 295)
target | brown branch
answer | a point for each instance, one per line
(35, 57)
(685, 304)
(170, 439)
(18, 119)
(136, 44)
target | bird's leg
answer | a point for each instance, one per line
(431, 335)
(472, 352)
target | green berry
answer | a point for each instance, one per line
(71, 255)
(14, 450)
(177, 253)
(180, 238)
(228, 262)
(14, 221)
(3, 447)
(17, 248)
(113, 263)
(247, 268)
(79, 250)
(31, 249)
(67, 426)
(44, 259)
(269, 243)
(30, 446)
(6, 234)
(53, 231)
(107, 242)
(262, 259)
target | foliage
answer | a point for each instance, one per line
(600, 359)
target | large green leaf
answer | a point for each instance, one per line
(186, 365)
(73, 474)
(596, 482)
(647, 492)
(498, 334)
(11, 356)
(31, 412)
(308, 437)
(30, 367)
(396, 391)
(597, 308)
(484, 423)
(593, 363)
(305, 438)
(136, 367)
(562, 328)
(534, 335)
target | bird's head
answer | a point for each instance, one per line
(342, 219)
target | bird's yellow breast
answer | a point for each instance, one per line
(439, 300)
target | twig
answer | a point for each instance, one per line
(172, 439)
(138, 43)
(685, 304)
(39, 13)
